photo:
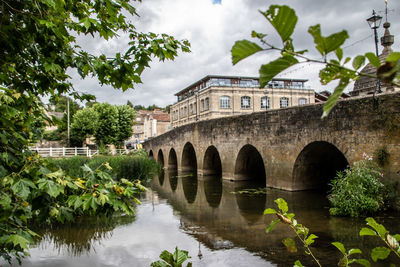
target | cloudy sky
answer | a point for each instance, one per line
(213, 26)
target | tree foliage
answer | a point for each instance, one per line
(38, 46)
(84, 124)
(126, 116)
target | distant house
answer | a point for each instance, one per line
(150, 124)
(323, 96)
(219, 96)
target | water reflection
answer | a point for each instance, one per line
(213, 189)
(161, 177)
(173, 179)
(81, 236)
(189, 183)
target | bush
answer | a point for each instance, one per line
(138, 166)
(358, 190)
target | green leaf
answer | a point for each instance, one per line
(354, 251)
(393, 57)
(243, 49)
(331, 102)
(298, 264)
(167, 257)
(21, 187)
(339, 53)
(102, 199)
(340, 247)
(272, 225)
(363, 262)
(283, 19)
(327, 44)
(373, 59)
(310, 239)
(379, 253)
(379, 228)
(270, 70)
(269, 211)
(290, 244)
(367, 231)
(282, 205)
(358, 61)
(160, 264)
(18, 240)
(180, 256)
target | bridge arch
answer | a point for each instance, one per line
(250, 165)
(189, 159)
(160, 158)
(316, 165)
(212, 162)
(151, 155)
(172, 160)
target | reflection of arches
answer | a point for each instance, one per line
(189, 160)
(161, 177)
(189, 184)
(172, 160)
(316, 165)
(151, 154)
(213, 190)
(251, 205)
(249, 164)
(212, 162)
(160, 158)
(173, 180)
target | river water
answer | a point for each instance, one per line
(218, 222)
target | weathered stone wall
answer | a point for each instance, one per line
(354, 127)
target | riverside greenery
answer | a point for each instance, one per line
(39, 45)
(132, 167)
(358, 190)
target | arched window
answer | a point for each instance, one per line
(207, 104)
(302, 101)
(284, 102)
(245, 102)
(225, 102)
(265, 102)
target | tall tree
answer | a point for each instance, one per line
(126, 117)
(107, 127)
(84, 124)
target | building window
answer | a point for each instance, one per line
(245, 101)
(284, 102)
(302, 101)
(225, 102)
(265, 102)
(191, 109)
(202, 105)
(207, 103)
(185, 111)
(195, 108)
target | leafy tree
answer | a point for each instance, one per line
(129, 103)
(126, 116)
(84, 124)
(38, 46)
(139, 107)
(107, 127)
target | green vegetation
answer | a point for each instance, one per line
(172, 260)
(131, 167)
(284, 20)
(348, 256)
(381, 156)
(358, 190)
(38, 41)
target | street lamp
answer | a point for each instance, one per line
(374, 22)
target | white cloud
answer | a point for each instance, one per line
(212, 29)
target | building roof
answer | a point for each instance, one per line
(206, 78)
(161, 116)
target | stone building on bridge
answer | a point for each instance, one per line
(219, 96)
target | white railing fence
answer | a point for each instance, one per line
(59, 152)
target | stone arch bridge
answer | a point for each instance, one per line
(292, 148)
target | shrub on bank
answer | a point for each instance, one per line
(136, 166)
(358, 190)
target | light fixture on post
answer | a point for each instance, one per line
(374, 22)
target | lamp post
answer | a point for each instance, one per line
(374, 22)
